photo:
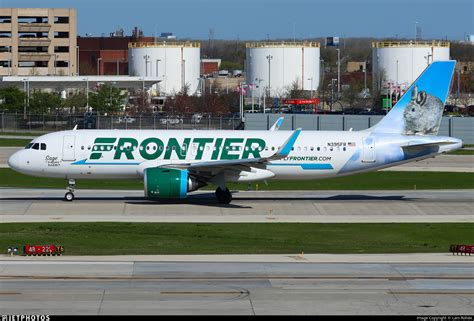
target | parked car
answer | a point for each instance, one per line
(126, 119)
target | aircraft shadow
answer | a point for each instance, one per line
(208, 199)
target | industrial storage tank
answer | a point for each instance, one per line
(279, 65)
(176, 63)
(396, 65)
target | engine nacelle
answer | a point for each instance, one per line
(169, 183)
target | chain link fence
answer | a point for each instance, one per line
(48, 123)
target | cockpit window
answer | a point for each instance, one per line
(28, 146)
(35, 146)
(43, 146)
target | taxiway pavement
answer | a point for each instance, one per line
(414, 206)
(94, 286)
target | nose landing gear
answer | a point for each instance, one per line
(69, 196)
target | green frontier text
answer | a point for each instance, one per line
(153, 148)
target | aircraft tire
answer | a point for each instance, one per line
(223, 196)
(69, 197)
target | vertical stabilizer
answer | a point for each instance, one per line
(420, 109)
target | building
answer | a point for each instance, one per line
(210, 67)
(107, 55)
(38, 41)
(176, 63)
(396, 65)
(355, 66)
(279, 66)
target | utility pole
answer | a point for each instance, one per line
(338, 71)
(146, 64)
(416, 23)
(269, 57)
(365, 77)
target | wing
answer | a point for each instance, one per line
(209, 169)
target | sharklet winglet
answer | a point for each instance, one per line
(288, 145)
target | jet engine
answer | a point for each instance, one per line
(169, 183)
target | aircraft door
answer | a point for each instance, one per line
(69, 148)
(368, 151)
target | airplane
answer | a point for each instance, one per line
(174, 163)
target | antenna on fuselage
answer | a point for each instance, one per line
(75, 127)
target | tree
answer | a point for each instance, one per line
(76, 101)
(44, 102)
(108, 99)
(13, 99)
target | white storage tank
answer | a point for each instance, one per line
(176, 63)
(278, 65)
(402, 62)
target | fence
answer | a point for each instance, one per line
(460, 127)
(48, 123)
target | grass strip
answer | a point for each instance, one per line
(384, 180)
(14, 142)
(256, 238)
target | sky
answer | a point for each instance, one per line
(273, 19)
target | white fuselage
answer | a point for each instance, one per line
(124, 154)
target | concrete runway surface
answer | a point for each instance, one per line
(47, 205)
(50, 285)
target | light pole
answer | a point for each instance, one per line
(311, 86)
(146, 64)
(226, 84)
(157, 61)
(338, 70)
(242, 85)
(253, 93)
(24, 100)
(259, 93)
(269, 57)
(98, 66)
(365, 77)
(87, 93)
(428, 59)
(416, 24)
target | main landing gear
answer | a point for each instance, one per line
(69, 196)
(224, 196)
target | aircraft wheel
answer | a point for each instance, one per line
(69, 197)
(223, 196)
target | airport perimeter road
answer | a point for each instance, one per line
(131, 287)
(47, 205)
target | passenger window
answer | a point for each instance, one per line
(318, 149)
(343, 148)
(35, 146)
(43, 146)
(82, 147)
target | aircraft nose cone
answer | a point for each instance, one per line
(14, 161)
